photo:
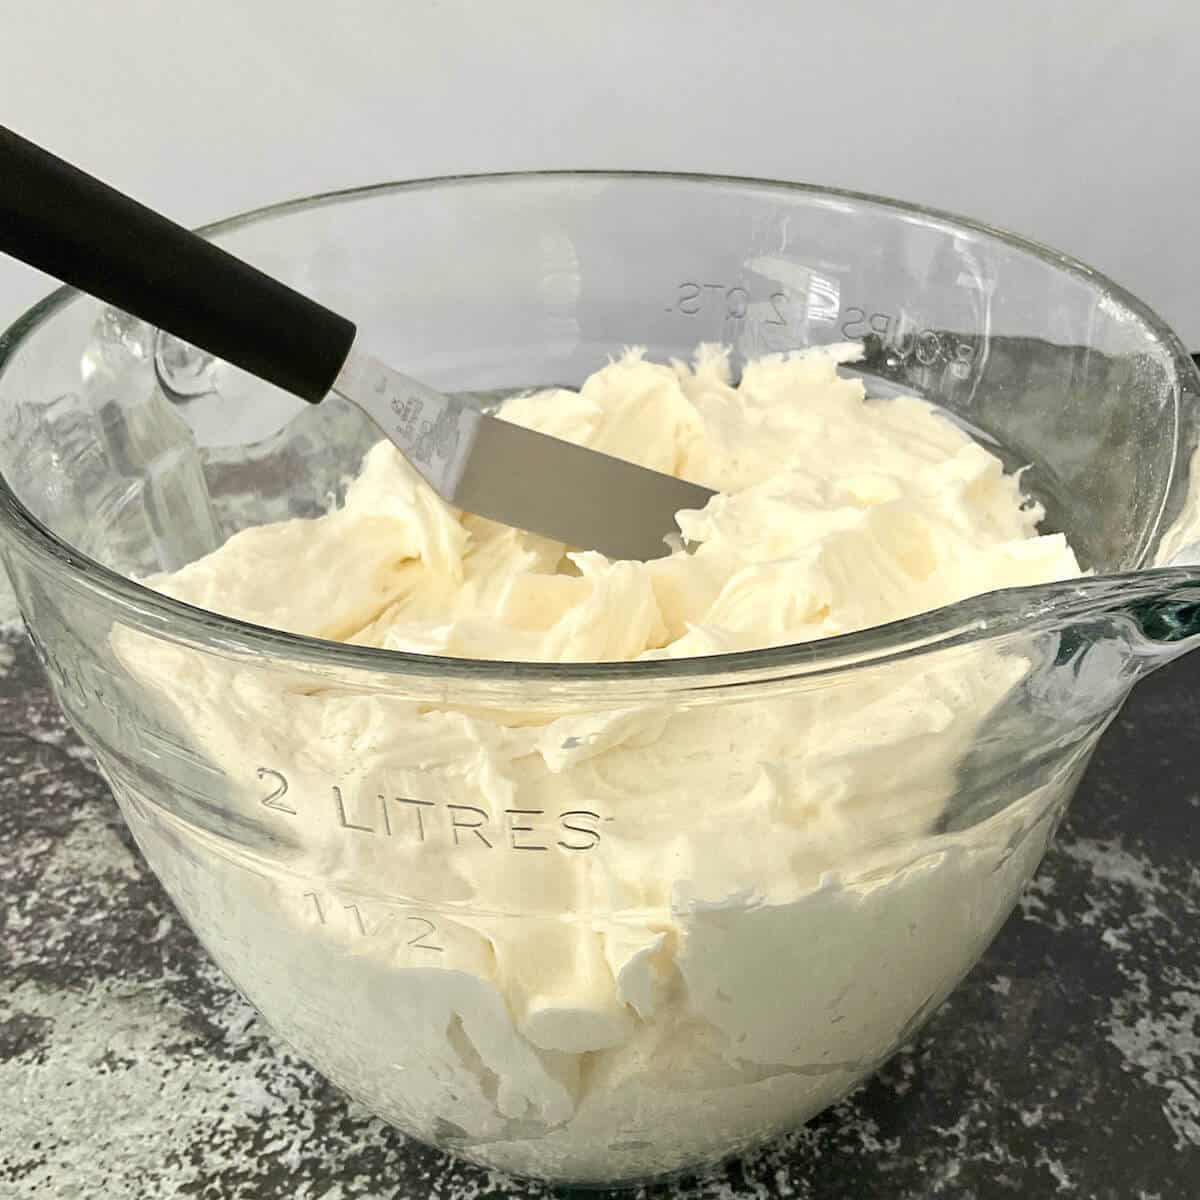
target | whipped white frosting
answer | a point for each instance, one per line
(607, 943)
(836, 513)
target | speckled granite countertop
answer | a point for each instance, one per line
(1067, 1064)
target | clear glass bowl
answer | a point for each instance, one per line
(575, 921)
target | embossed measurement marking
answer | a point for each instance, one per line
(415, 822)
(421, 933)
(904, 340)
(82, 685)
(733, 303)
(903, 336)
(275, 799)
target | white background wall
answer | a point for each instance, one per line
(1072, 121)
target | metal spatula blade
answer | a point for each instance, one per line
(518, 476)
(69, 224)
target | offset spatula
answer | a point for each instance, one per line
(63, 221)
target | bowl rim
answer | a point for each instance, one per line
(985, 616)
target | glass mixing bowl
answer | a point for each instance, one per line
(597, 923)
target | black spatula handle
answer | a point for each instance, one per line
(64, 222)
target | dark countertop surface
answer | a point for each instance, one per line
(1067, 1064)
